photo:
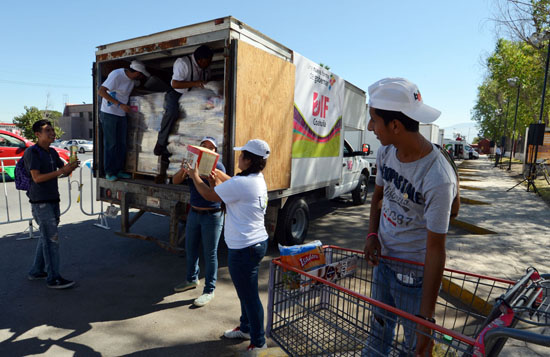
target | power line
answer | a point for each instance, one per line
(42, 84)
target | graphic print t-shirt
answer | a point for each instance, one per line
(417, 198)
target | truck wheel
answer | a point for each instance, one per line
(293, 222)
(359, 194)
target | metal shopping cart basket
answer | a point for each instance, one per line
(331, 311)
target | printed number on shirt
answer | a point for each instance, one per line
(394, 218)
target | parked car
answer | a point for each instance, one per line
(59, 143)
(13, 145)
(83, 145)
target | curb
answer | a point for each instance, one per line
(473, 301)
(470, 227)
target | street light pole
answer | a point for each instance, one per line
(518, 83)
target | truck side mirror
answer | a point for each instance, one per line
(366, 149)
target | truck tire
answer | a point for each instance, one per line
(293, 222)
(359, 194)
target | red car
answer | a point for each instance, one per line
(13, 145)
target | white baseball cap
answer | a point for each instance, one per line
(400, 95)
(140, 67)
(257, 147)
(211, 139)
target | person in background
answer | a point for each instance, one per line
(115, 92)
(204, 226)
(245, 197)
(409, 215)
(498, 154)
(44, 167)
(189, 72)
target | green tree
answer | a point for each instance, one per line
(32, 115)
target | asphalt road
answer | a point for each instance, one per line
(123, 303)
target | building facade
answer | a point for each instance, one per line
(76, 122)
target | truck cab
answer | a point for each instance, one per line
(356, 171)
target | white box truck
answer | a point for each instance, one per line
(270, 92)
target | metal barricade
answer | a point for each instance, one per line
(13, 196)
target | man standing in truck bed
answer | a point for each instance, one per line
(189, 72)
(115, 92)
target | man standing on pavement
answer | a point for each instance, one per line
(189, 72)
(497, 155)
(44, 167)
(409, 214)
(115, 92)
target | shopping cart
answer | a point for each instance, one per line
(330, 311)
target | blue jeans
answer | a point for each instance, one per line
(114, 142)
(205, 228)
(46, 258)
(243, 267)
(388, 289)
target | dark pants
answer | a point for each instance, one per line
(114, 142)
(497, 159)
(243, 267)
(171, 115)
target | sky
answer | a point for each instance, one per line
(48, 47)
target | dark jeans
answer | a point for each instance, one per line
(171, 115)
(114, 142)
(203, 229)
(243, 267)
(46, 258)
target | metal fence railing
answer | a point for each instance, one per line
(14, 206)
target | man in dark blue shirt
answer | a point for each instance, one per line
(44, 166)
(204, 225)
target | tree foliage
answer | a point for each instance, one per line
(518, 57)
(31, 116)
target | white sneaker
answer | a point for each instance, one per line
(236, 333)
(251, 347)
(203, 299)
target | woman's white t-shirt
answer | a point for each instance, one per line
(245, 198)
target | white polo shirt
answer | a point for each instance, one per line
(182, 72)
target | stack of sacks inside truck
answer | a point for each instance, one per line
(143, 128)
(201, 114)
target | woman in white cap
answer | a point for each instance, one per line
(115, 92)
(245, 197)
(204, 225)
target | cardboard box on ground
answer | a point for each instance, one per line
(201, 114)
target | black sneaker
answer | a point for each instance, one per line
(38, 276)
(61, 283)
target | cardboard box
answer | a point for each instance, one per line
(202, 158)
(131, 164)
(148, 163)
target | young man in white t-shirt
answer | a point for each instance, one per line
(189, 72)
(115, 92)
(409, 215)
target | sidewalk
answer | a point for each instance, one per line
(520, 221)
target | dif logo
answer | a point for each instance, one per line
(320, 105)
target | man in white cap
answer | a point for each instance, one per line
(115, 92)
(409, 215)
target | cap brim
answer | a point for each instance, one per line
(145, 73)
(240, 148)
(423, 114)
